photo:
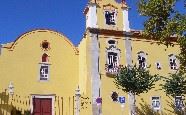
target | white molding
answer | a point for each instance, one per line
(173, 56)
(51, 96)
(44, 64)
(91, 16)
(126, 26)
(142, 54)
(159, 102)
(114, 51)
(115, 17)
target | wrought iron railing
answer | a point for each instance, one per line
(112, 69)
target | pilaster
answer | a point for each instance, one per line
(94, 72)
(126, 27)
(91, 16)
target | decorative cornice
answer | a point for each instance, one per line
(87, 7)
(110, 5)
(12, 46)
(118, 33)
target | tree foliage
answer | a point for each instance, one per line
(135, 80)
(175, 85)
(165, 23)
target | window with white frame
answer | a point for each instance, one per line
(142, 60)
(173, 62)
(179, 104)
(156, 103)
(158, 65)
(112, 60)
(44, 68)
(44, 72)
(112, 57)
(110, 17)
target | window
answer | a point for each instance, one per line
(45, 45)
(110, 17)
(45, 58)
(112, 57)
(44, 72)
(156, 103)
(44, 68)
(179, 104)
(142, 60)
(173, 62)
(112, 60)
(112, 42)
(158, 65)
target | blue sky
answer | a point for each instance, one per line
(65, 16)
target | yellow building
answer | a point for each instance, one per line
(43, 73)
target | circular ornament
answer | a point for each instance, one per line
(45, 45)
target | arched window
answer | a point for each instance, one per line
(110, 17)
(45, 58)
(44, 68)
(110, 13)
(173, 62)
(112, 60)
(142, 59)
(112, 57)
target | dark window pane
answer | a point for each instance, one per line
(110, 18)
(111, 41)
(44, 57)
(45, 45)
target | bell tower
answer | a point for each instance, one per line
(91, 15)
(107, 14)
(106, 24)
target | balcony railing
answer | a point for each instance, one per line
(112, 69)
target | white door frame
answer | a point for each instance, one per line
(50, 96)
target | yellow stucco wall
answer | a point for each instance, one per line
(156, 53)
(101, 15)
(70, 67)
(21, 65)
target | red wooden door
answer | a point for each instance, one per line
(42, 106)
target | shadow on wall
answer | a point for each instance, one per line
(7, 107)
(174, 110)
(19, 105)
(146, 109)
